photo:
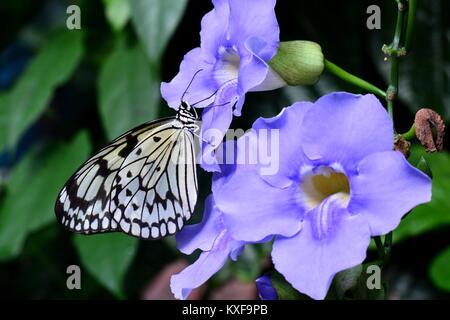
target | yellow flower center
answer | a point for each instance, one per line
(317, 187)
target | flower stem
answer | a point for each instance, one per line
(380, 249)
(390, 107)
(399, 24)
(387, 247)
(384, 249)
(411, 134)
(412, 5)
(350, 78)
(395, 52)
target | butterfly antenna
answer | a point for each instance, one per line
(219, 105)
(190, 82)
(212, 95)
(207, 98)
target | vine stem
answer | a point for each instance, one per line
(395, 52)
(390, 108)
(412, 6)
(380, 249)
(411, 134)
(350, 78)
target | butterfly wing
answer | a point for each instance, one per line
(138, 184)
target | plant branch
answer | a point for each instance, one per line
(380, 249)
(394, 51)
(350, 78)
(411, 134)
(384, 248)
(387, 247)
(412, 6)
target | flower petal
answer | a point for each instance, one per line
(215, 123)
(252, 72)
(201, 235)
(201, 87)
(386, 188)
(344, 128)
(265, 288)
(214, 30)
(206, 265)
(309, 262)
(254, 19)
(248, 203)
(272, 81)
(287, 151)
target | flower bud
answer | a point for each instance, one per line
(298, 62)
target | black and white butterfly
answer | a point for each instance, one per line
(144, 183)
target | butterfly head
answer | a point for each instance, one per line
(187, 115)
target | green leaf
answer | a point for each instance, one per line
(118, 12)
(31, 94)
(436, 213)
(347, 279)
(128, 94)
(107, 257)
(3, 118)
(32, 191)
(154, 22)
(439, 270)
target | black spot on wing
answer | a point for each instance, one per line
(103, 168)
(131, 142)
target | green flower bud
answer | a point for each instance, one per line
(298, 62)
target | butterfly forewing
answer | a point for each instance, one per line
(143, 183)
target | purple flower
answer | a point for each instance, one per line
(265, 288)
(339, 183)
(238, 38)
(217, 245)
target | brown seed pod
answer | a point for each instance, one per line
(426, 120)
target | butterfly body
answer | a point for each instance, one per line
(144, 183)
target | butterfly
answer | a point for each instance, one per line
(143, 183)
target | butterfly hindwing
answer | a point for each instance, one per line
(134, 184)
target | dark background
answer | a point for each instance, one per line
(64, 94)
